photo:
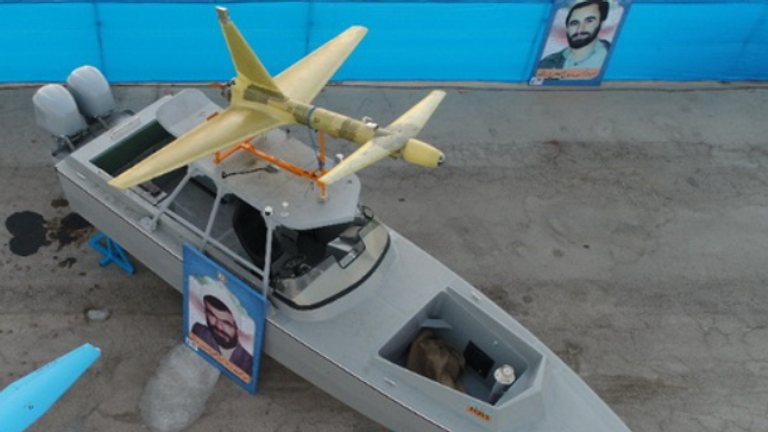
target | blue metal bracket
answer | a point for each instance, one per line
(112, 252)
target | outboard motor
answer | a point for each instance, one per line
(56, 112)
(92, 93)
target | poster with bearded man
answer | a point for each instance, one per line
(223, 318)
(582, 35)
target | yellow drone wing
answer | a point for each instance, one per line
(397, 139)
(305, 79)
(251, 111)
(223, 131)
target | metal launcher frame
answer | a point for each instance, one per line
(313, 176)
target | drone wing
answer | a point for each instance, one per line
(250, 113)
(223, 131)
(367, 155)
(395, 140)
(239, 122)
(305, 79)
(413, 120)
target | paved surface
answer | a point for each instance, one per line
(626, 227)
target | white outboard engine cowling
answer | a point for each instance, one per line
(56, 112)
(91, 91)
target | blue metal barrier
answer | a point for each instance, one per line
(176, 41)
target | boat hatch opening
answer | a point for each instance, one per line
(483, 343)
(132, 149)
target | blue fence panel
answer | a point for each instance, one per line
(427, 41)
(184, 42)
(46, 42)
(753, 61)
(177, 40)
(685, 42)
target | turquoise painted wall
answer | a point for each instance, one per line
(450, 40)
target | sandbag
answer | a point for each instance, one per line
(436, 359)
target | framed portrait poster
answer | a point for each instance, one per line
(581, 36)
(223, 318)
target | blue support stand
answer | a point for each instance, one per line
(112, 252)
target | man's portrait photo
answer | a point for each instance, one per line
(223, 319)
(221, 332)
(580, 39)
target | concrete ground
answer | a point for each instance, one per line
(626, 226)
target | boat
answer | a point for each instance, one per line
(348, 294)
(350, 299)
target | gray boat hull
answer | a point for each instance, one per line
(353, 348)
